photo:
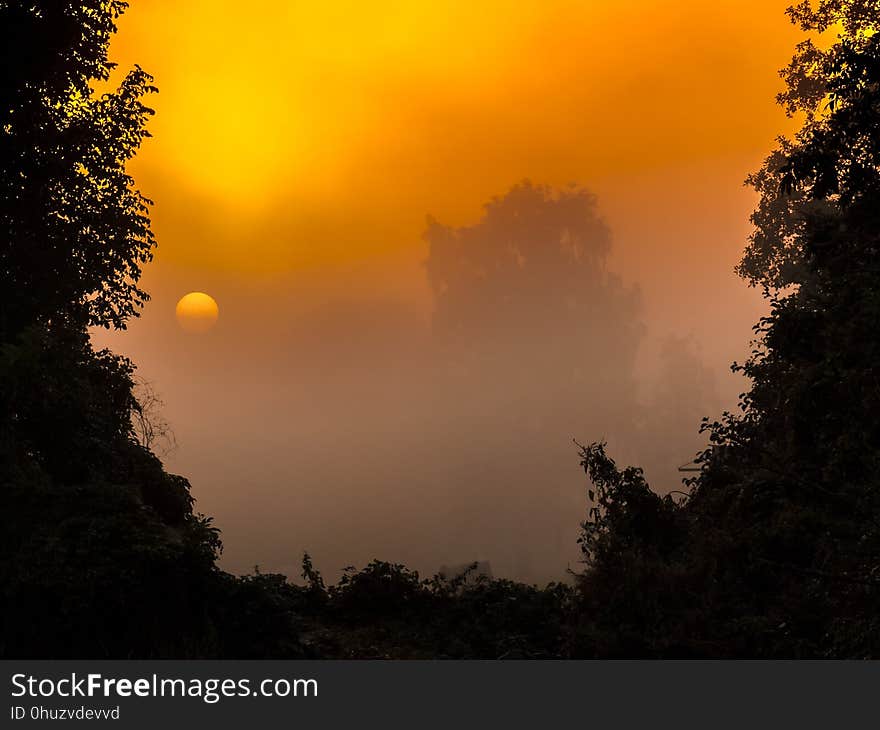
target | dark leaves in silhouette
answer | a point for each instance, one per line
(101, 552)
(75, 231)
(779, 542)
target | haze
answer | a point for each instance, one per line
(298, 153)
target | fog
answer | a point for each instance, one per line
(410, 337)
(328, 412)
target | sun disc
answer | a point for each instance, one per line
(197, 312)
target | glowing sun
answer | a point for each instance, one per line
(197, 312)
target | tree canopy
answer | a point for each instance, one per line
(101, 551)
(76, 233)
(833, 158)
(535, 263)
(776, 547)
(772, 550)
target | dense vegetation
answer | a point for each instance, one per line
(101, 553)
(774, 550)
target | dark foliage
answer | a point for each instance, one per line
(773, 552)
(776, 551)
(387, 611)
(101, 554)
(75, 232)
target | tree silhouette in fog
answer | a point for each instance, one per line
(101, 552)
(535, 254)
(774, 551)
(525, 303)
(536, 340)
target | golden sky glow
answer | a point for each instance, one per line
(335, 127)
(298, 148)
(197, 312)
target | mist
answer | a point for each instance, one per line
(395, 372)
(449, 330)
(333, 412)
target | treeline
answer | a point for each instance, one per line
(101, 553)
(775, 549)
(770, 551)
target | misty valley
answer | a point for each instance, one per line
(396, 388)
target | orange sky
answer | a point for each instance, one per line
(298, 148)
(356, 119)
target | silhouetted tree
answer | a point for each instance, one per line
(538, 339)
(780, 537)
(629, 593)
(527, 292)
(75, 231)
(817, 80)
(149, 427)
(101, 553)
(803, 456)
